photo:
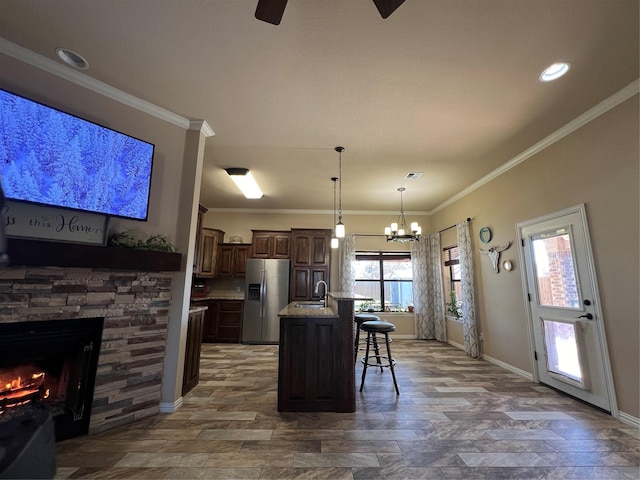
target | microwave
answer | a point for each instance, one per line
(199, 290)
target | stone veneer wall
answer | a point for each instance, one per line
(135, 307)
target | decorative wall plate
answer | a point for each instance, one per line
(485, 235)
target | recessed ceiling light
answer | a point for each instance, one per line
(72, 59)
(554, 71)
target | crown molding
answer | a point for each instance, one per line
(611, 102)
(312, 212)
(36, 60)
(203, 126)
(50, 66)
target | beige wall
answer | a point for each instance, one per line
(169, 140)
(597, 165)
(172, 202)
(241, 223)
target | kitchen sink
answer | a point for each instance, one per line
(309, 305)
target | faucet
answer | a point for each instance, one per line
(324, 297)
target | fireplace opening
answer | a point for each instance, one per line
(51, 363)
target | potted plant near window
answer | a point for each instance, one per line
(454, 306)
(366, 306)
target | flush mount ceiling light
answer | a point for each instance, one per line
(72, 58)
(245, 182)
(335, 243)
(554, 71)
(398, 232)
(340, 230)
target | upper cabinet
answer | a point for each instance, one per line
(270, 244)
(310, 262)
(206, 248)
(210, 238)
(196, 255)
(232, 260)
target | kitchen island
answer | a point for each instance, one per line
(316, 372)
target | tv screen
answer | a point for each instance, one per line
(53, 158)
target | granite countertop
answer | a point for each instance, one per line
(198, 309)
(293, 311)
(220, 295)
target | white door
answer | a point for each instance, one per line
(566, 325)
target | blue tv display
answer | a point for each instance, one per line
(53, 158)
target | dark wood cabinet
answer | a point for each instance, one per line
(196, 254)
(310, 385)
(223, 322)
(210, 238)
(232, 260)
(270, 244)
(193, 347)
(316, 372)
(209, 329)
(230, 321)
(310, 262)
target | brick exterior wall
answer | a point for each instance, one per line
(135, 307)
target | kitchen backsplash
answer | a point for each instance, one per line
(230, 285)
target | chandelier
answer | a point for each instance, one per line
(398, 231)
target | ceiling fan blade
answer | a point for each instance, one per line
(271, 11)
(387, 7)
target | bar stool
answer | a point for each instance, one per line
(373, 328)
(358, 319)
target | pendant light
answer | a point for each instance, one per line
(340, 230)
(334, 239)
(398, 232)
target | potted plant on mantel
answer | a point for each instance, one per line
(454, 306)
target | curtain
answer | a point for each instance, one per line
(471, 345)
(427, 289)
(347, 257)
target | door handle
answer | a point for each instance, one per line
(588, 316)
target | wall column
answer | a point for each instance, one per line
(185, 241)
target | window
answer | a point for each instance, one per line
(387, 278)
(453, 305)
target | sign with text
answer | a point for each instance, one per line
(50, 223)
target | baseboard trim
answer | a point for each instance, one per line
(629, 419)
(623, 417)
(168, 407)
(495, 361)
(511, 368)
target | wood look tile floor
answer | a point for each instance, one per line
(455, 418)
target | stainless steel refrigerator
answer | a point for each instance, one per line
(266, 293)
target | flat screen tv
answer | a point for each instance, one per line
(53, 158)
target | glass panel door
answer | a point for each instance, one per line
(570, 349)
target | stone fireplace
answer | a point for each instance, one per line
(50, 364)
(128, 290)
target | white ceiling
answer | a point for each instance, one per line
(445, 87)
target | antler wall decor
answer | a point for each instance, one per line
(494, 255)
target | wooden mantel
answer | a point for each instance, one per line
(59, 254)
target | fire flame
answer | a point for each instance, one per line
(21, 390)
